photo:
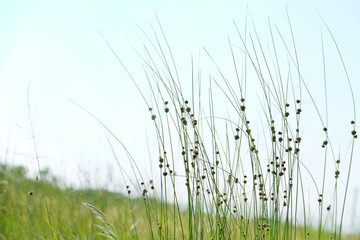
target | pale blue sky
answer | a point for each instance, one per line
(55, 46)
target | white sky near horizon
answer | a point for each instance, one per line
(55, 48)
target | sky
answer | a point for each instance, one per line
(52, 51)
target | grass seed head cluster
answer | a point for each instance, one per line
(238, 181)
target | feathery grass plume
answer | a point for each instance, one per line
(107, 229)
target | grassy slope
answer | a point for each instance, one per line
(23, 215)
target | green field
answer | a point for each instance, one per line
(24, 214)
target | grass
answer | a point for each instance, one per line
(233, 172)
(24, 216)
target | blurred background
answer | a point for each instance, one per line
(51, 52)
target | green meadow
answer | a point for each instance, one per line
(25, 215)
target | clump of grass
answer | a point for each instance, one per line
(237, 182)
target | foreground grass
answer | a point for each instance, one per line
(239, 162)
(23, 214)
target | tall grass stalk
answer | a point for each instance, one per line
(37, 157)
(238, 181)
